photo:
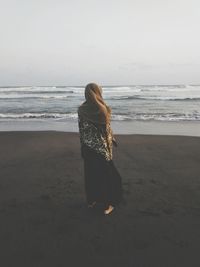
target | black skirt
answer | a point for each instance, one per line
(103, 182)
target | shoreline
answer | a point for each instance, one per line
(184, 128)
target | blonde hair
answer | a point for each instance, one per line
(93, 96)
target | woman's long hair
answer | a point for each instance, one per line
(94, 108)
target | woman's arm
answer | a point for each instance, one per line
(113, 138)
(80, 126)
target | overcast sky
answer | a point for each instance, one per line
(73, 42)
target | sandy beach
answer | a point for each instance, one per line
(44, 220)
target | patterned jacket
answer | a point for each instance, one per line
(96, 136)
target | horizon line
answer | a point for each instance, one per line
(104, 85)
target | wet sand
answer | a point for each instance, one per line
(44, 220)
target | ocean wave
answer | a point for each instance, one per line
(32, 96)
(37, 89)
(167, 117)
(106, 97)
(163, 98)
(115, 117)
(27, 88)
(146, 92)
(38, 115)
(157, 117)
(128, 103)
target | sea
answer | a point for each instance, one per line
(132, 103)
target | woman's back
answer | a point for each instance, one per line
(97, 137)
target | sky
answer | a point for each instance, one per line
(111, 42)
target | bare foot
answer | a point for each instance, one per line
(108, 210)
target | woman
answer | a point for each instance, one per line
(103, 184)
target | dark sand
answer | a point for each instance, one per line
(44, 219)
